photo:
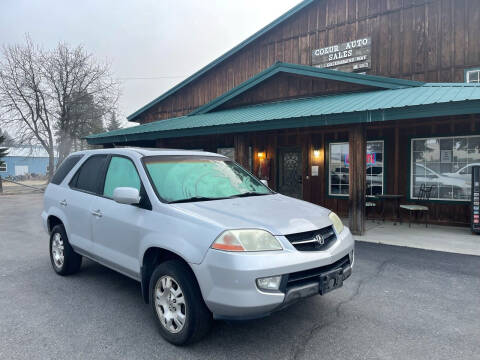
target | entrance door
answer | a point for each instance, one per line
(290, 172)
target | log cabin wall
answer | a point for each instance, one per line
(427, 40)
(288, 86)
(315, 188)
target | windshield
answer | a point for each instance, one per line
(188, 178)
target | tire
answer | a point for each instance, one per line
(197, 319)
(65, 261)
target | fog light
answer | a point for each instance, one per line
(269, 283)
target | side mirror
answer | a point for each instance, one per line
(126, 195)
(264, 182)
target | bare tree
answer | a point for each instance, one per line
(83, 90)
(25, 105)
(3, 153)
(61, 94)
(3, 148)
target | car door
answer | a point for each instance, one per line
(117, 228)
(77, 202)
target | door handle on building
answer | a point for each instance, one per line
(63, 202)
(97, 213)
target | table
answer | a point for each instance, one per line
(395, 200)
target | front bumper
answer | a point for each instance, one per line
(228, 280)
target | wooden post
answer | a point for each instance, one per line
(396, 172)
(357, 166)
(241, 149)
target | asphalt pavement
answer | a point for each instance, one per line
(400, 303)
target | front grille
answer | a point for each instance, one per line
(309, 276)
(306, 241)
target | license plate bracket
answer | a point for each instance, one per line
(330, 280)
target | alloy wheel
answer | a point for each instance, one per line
(58, 250)
(170, 304)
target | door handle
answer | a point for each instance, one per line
(97, 213)
(63, 202)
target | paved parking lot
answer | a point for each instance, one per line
(400, 303)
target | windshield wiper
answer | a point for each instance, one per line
(194, 198)
(249, 193)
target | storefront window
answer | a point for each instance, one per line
(472, 76)
(445, 164)
(228, 152)
(339, 180)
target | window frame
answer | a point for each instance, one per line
(411, 164)
(3, 163)
(467, 75)
(106, 172)
(327, 172)
(79, 161)
(220, 157)
(229, 148)
(145, 202)
(101, 175)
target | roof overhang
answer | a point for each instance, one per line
(429, 100)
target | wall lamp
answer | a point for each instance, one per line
(261, 155)
(316, 154)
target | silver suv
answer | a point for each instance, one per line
(206, 239)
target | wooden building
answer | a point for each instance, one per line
(338, 99)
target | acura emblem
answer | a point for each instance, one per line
(319, 239)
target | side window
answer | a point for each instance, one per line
(88, 176)
(65, 168)
(121, 173)
(472, 76)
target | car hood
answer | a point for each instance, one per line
(279, 214)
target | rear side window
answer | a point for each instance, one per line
(121, 173)
(88, 177)
(65, 168)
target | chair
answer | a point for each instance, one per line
(424, 194)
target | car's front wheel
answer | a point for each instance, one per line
(177, 303)
(64, 259)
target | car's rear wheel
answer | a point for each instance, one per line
(177, 303)
(64, 259)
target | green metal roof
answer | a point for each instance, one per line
(305, 70)
(217, 61)
(428, 100)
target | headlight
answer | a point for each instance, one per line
(337, 223)
(246, 240)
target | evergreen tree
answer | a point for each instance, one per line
(113, 123)
(3, 150)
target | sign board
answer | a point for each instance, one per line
(446, 156)
(475, 207)
(314, 170)
(349, 56)
(371, 159)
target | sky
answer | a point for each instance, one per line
(151, 45)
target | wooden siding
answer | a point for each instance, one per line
(287, 86)
(426, 40)
(315, 188)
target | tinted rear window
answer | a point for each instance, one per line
(65, 168)
(87, 177)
